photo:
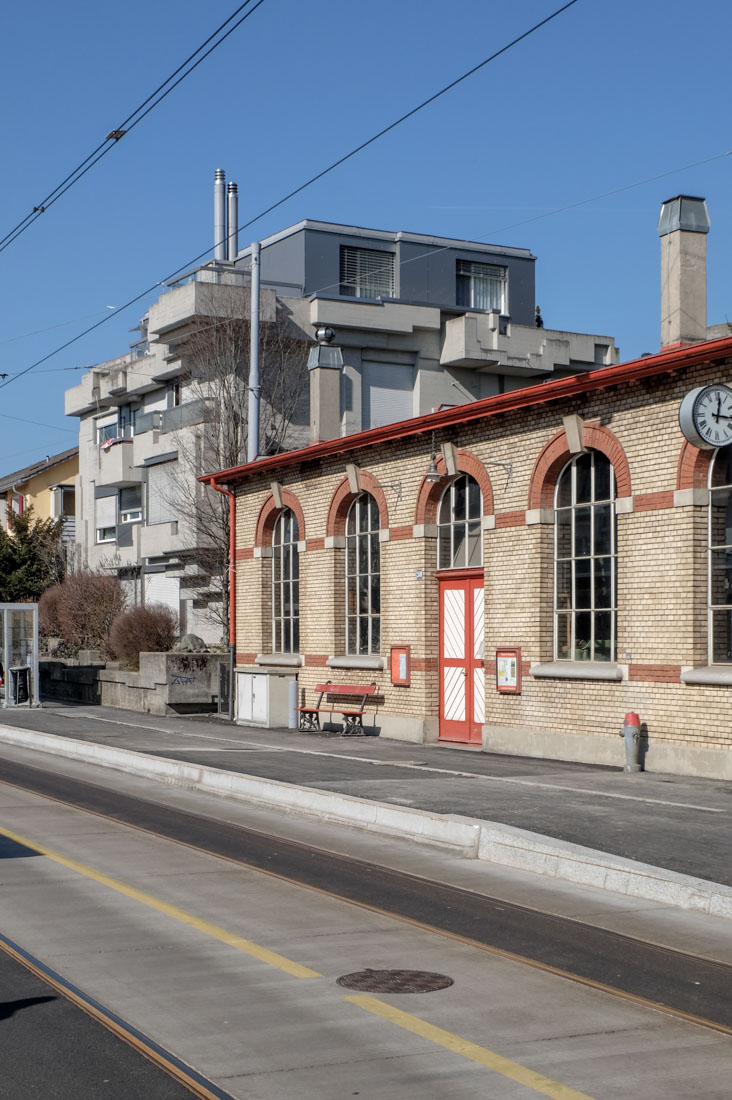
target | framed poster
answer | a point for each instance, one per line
(400, 665)
(508, 670)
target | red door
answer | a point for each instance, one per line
(462, 679)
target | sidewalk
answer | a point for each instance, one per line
(666, 838)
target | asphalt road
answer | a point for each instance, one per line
(679, 823)
(227, 945)
(686, 983)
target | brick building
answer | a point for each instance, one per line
(542, 561)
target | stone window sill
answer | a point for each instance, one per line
(354, 660)
(707, 674)
(285, 660)
(577, 670)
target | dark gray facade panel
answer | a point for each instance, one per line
(323, 258)
(124, 533)
(103, 491)
(429, 275)
(284, 262)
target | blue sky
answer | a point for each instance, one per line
(606, 95)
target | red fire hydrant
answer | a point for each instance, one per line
(631, 732)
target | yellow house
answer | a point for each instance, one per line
(49, 486)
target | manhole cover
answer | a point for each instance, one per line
(395, 981)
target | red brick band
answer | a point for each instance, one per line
(652, 502)
(655, 674)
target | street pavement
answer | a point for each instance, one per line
(676, 823)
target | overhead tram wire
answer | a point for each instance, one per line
(547, 214)
(129, 123)
(298, 190)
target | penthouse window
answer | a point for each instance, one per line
(481, 286)
(585, 560)
(367, 273)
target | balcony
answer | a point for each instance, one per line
(115, 466)
(83, 398)
(489, 343)
(177, 312)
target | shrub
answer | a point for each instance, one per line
(150, 629)
(82, 609)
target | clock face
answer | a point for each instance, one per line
(705, 416)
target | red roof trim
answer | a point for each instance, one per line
(665, 361)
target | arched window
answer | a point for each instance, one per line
(585, 560)
(285, 584)
(363, 576)
(459, 542)
(720, 557)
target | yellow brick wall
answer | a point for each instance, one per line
(661, 572)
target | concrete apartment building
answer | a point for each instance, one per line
(421, 323)
(520, 572)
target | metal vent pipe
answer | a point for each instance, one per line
(220, 214)
(233, 239)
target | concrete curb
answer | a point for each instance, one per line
(471, 838)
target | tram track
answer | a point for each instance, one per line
(687, 986)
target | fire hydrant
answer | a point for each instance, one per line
(631, 732)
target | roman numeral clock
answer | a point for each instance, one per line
(705, 416)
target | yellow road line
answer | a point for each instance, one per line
(484, 1057)
(215, 931)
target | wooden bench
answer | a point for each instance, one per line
(309, 721)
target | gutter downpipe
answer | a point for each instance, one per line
(232, 592)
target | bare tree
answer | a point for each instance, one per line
(215, 384)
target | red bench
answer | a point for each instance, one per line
(309, 721)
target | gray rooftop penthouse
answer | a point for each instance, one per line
(314, 258)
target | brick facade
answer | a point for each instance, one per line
(516, 455)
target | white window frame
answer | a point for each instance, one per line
(572, 611)
(365, 270)
(475, 272)
(106, 534)
(459, 536)
(285, 583)
(360, 542)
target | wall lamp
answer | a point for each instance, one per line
(433, 474)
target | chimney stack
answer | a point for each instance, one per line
(683, 226)
(220, 215)
(325, 366)
(233, 238)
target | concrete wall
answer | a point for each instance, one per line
(167, 683)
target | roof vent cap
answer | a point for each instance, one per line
(687, 212)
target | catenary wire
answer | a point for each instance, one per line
(538, 217)
(297, 190)
(128, 124)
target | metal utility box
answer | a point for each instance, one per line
(263, 697)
